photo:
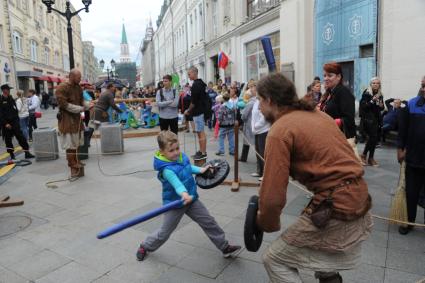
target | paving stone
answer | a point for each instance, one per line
(39, 265)
(103, 258)
(13, 250)
(205, 262)
(177, 275)
(255, 256)
(171, 252)
(397, 276)
(365, 273)
(378, 238)
(230, 210)
(373, 254)
(106, 279)
(128, 239)
(70, 273)
(414, 241)
(243, 271)
(407, 261)
(138, 271)
(8, 276)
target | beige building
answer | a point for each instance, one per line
(90, 63)
(34, 44)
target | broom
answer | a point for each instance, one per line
(398, 205)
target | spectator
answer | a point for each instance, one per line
(260, 127)
(411, 148)
(340, 102)
(33, 106)
(249, 137)
(316, 87)
(23, 113)
(167, 102)
(197, 110)
(226, 119)
(184, 103)
(45, 100)
(9, 123)
(371, 103)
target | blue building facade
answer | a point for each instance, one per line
(346, 32)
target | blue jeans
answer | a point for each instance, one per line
(230, 133)
(23, 122)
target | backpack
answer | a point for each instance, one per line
(226, 116)
(162, 94)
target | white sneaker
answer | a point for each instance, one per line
(255, 175)
(260, 179)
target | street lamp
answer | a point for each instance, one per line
(68, 14)
(108, 71)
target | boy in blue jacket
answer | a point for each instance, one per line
(175, 174)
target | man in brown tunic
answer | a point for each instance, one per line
(71, 128)
(308, 146)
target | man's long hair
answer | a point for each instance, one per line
(281, 92)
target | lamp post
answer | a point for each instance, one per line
(68, 14)
(108, 71)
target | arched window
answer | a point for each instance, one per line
(46, 56)
(34, 50)
(17, 42)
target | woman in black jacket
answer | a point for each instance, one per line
(371, 105)
(340, 102)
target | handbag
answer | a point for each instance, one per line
(37, 114)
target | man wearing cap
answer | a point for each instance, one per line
(9, 123)
(71, 104)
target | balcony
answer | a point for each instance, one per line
(257, 7)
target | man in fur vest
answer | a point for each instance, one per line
(71, 128)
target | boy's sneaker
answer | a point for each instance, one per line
(141, 253)
(231, 251)
(219, 153)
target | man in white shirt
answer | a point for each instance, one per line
(33, 106)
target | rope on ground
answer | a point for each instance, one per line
(310, 193)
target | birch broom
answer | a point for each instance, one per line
(399, 206)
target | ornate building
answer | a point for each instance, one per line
(148, 57)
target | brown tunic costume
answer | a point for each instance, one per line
(309, 147)
(70, 101)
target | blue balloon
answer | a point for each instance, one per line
(141, 218)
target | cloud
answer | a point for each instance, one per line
(103, 25)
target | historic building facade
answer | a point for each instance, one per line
(36, 44)
(90, 63)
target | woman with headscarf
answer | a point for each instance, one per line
(371, 105)
(340, 102)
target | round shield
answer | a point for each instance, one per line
(253, 237)
(215, 175)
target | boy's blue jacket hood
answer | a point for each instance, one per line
(160, 161)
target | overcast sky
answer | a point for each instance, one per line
(103, 24)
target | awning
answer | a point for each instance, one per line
(50, 79)
(28, 74)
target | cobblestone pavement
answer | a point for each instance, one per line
(56, 228)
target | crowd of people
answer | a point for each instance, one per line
(310, 137)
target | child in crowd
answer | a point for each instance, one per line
(175, 173)
(226, 119)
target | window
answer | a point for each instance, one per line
(256, 60)
(46, 56)
(17, 42)
(214, 19)
(34, 50)
(366, 50)
(257, 7)
(56, 59)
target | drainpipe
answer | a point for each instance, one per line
(12, 49)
